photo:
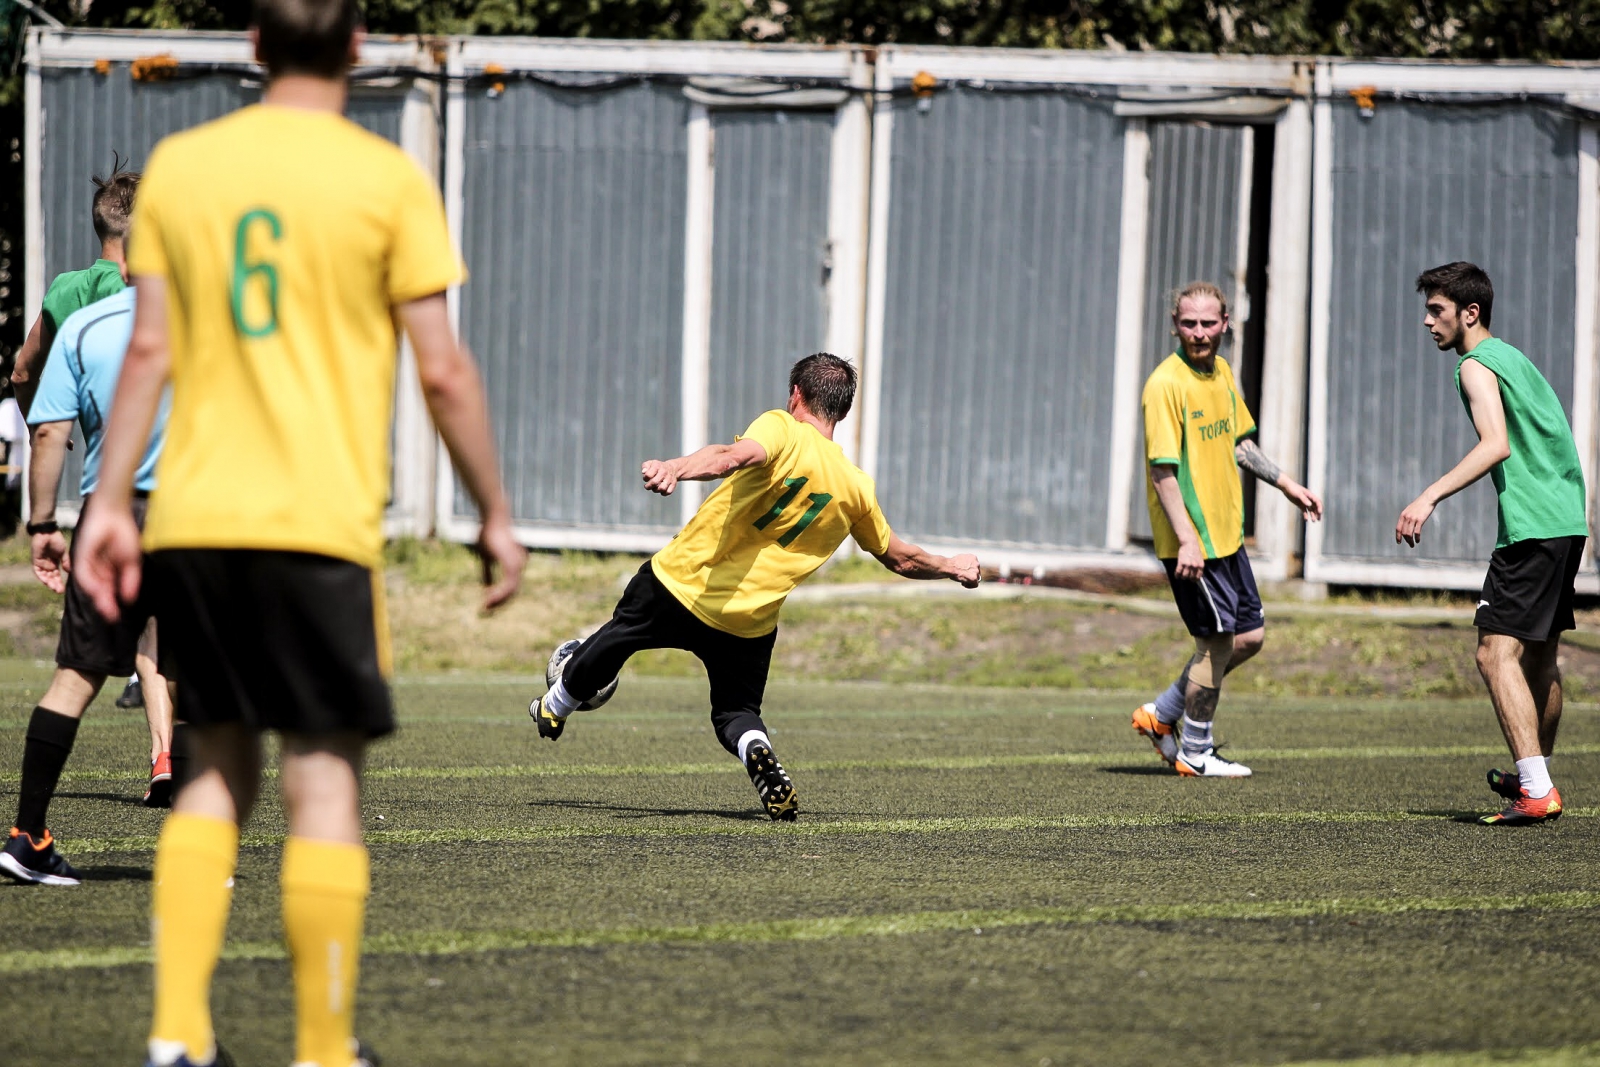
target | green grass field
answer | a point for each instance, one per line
(979, 876)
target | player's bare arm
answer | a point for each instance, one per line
(1252, 459)
(453, 390)
(704, 465)
(909, 561)
(109, 555)
(24, 379)
(49, 453)
(1191, 558)
(1489, 419)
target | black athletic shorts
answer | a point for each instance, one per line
(286, 641)
(89, 643)
(1223, 601)
(1528, 592)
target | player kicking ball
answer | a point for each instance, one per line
(789, 500)
(1197, 437)
(1525, 445)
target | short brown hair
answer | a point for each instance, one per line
(113, 200)
(1461, 283)
(827, 384)
(306, 36)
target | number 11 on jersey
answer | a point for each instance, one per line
(792, 489)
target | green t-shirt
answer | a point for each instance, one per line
(78, 289)
(1541, 483)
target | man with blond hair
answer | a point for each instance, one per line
(1198, 435)
(275, 251)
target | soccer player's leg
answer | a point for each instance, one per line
(29, 854)
(193, 889)
(1500, 662)
(158, 716)
(326, 881)
(737, 668)
(1230, 603)
(585, 676)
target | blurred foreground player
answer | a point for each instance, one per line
(78, 383)
(1525, 445)
(790, 499)
(274, 251)
(1198, 435)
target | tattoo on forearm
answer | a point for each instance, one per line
(1252, 459)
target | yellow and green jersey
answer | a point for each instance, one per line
(1192, 420)
(285, 238)
(766, 529)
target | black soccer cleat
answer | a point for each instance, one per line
(365, 1057)
(550, 726)
(1506, 783)
(132, 695)
(36, 862)
(772, 784)
(219, 1059)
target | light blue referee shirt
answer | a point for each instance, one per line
(80, 378)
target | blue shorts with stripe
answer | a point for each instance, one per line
(1223, 601)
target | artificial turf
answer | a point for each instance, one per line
(978, 876)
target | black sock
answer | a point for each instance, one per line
(50, 737)
(180, 756)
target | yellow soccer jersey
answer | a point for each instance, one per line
(285, 238)
(1192, 421)
(765, 529)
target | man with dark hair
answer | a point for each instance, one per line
(1525, 445)
(112, 207)
(286, 246)
(789, 501)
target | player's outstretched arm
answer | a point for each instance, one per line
(453, 391)
(48, 456)
(1252, 459)
(707, 464)
(108, 538)
(1489, 419)
(909, 561)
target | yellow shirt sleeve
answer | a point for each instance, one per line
(147, 256)
(871, 531)
(422, 261)
(1163, 423)
(1246, 421)
(771, 429)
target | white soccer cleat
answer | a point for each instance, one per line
(1208, 765)
(552, 674)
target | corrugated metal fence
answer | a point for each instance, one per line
(656, 231)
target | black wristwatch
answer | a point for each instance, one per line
(42, 527)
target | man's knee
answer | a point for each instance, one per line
(1210, 662)
(1497, 652)
(72, 691)
(1248, 644)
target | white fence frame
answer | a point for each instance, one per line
(846, 226)
(1334, 79)
(1183, 76)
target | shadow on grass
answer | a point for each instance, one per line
(628, 812)
(1142, 769)
(1453, 814)
(115, 874)
(115, 798)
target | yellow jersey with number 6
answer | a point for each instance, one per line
(766, 529)
(285, 238)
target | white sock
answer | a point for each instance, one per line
(750, 737)
(560, 704)
(1196, 737)
(1534, 775)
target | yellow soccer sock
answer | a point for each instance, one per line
(189, 905)
(325, 885)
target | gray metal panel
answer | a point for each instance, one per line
(86, 116)
(1000, 319)
(1194, 236)
(574, 233)
(1413, 187)
(769, 251)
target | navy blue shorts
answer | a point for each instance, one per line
(1224, 601)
